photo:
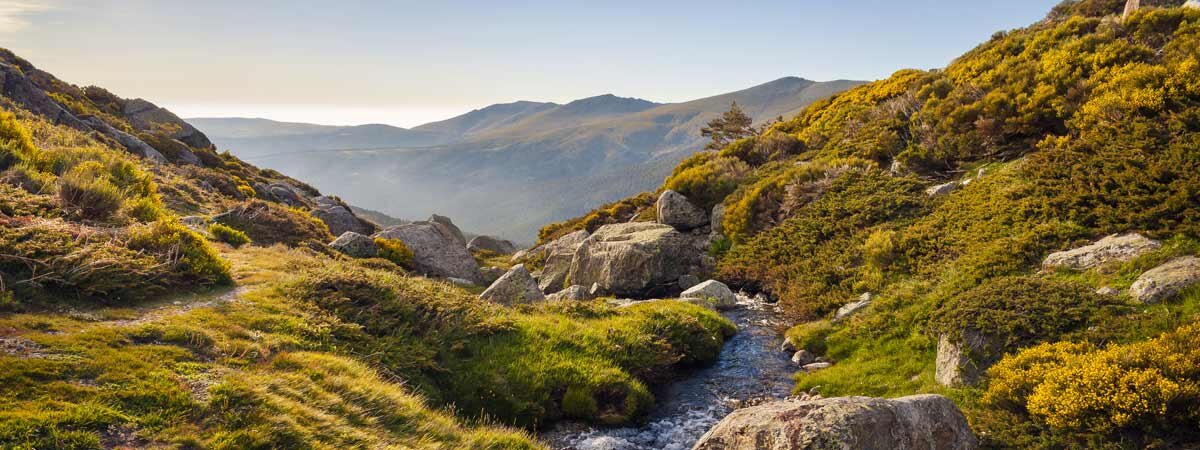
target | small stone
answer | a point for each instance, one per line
(803, 358)
(851, 308)
(817, 366)
(1108, 291)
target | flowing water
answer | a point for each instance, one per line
(751, 368)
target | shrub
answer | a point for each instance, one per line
(269, 223)
(228, 235)
(395, 251)
(16, 145)
(1020, 310)
(29, 178)
(145, 209)
(192, 260)
(1149, 388)
(709, 183)
(86, 191)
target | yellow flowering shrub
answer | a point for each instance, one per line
(1146, 386)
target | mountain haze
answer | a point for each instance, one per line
(547, 160)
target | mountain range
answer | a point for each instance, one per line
(550, 161)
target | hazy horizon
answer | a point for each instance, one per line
(409, 63)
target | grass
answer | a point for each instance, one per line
(382, 361)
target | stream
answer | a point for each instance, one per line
(751, 368)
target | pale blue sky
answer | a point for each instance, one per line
(410, 62)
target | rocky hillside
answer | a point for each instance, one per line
(1017, 231)
(545, 160)
(158, 293)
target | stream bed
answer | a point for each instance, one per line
(751, 368)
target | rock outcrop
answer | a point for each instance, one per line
(919, 422)
(1108, 250)
(556, 257)
(492, 244)
(1166, 281)
(674, 209)
(355, 245)
(338, 217)
(515, 287)
(638, 260)
(964, 360)
(943, 189)
(439, 249)
(853, 307)
(146, 116)
(711, 294)
(571, 293)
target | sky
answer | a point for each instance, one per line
(406, 63)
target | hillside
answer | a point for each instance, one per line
(913, 229)
(547, 161)
(158, 293)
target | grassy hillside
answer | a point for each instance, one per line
(1077, 127)
(125, 324)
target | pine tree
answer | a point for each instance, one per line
(731, 126)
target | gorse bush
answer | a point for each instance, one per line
(228, 235)
(1148, 388)
(395, 251)
(270, 223)
(707, 179)
(15, 142)
(193, 261)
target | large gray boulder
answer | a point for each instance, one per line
(919, 422)
(571, 293)
(1108, 250)
(515, 287)
(492, 244)
(557, 256)
(447, 227)
(1166, 281)
(437, 250)
(711, 294)
(674, 209)
(963, 360)
(639, 259)
(355, 245)
(340, 219)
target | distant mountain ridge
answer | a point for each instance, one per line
(509, 168)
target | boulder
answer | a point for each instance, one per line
(515, 287)
(1166, 281)
(340, 219)
(355, 245)
(711, 294)
(437, 251)
(919, 422)
(574, 293)
(675, 210)
(1108, 250)
(447, 228)
(851, 308)
(557, 256)
(638, 260)
(146, 116)
(803, 358)
(942, 189)
(492, 244)
(287, 194)
(788, 345)
(716, 221)
(129, 141)
(963, 361)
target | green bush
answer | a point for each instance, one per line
(269, 223)
(228, 235)
(86, 191)
(708, 184)
(193, 260)
(1020, 310)
(395, 251)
